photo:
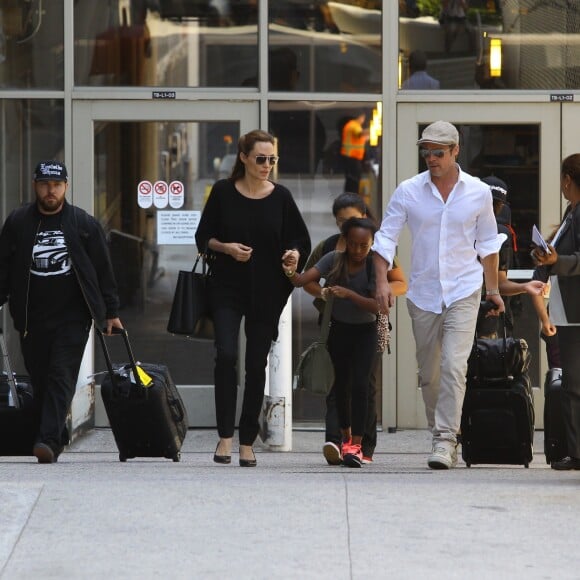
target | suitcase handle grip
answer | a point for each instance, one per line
(133, 364)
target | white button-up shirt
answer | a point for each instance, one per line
(447, 237)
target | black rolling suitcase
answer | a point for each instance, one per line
(555, 447)
(147, 419)
(497, 422)
(18, 426)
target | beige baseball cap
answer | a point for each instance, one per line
(440, 132)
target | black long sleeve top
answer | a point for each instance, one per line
(270, 226)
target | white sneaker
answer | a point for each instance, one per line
(442, 458)
(332, 453)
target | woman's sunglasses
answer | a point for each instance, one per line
(271, 159)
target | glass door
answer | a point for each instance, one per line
(145, 170)
(520, 144)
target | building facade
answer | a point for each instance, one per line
(145, 100)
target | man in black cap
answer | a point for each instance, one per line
(487, 326)
(56, 274)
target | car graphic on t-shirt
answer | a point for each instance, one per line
(50, 255)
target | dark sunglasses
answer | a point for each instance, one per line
(424, 153)
(271, 159)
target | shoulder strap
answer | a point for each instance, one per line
(329, 244)
(325, 324)
(369, 266)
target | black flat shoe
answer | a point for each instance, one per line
(566, 464)
(248, 462)
(223, 459)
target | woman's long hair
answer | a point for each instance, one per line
(245, 145)
(339, 271)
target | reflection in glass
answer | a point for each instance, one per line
(535, 43)
(325, 46)
(32, 130)
(31, 44)
(127, 153)
(175, 43)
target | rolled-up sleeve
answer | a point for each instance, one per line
(487, 240)
(387, 238)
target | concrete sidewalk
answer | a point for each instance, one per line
(90, 516)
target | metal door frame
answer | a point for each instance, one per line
(85, 114)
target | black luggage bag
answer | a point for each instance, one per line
(18, 426)
(148, 420)
(497, 422)
(555, 447)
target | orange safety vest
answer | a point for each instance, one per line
(353, 140)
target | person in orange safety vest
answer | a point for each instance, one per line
(352, 150)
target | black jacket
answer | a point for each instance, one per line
(567, 267)
(88, 252)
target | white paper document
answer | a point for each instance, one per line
(538, 239)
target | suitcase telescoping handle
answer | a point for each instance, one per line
(8, 369)
(132, 362)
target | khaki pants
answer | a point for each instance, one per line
(444, 342)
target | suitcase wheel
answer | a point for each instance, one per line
(527, 465)
(468, 464)
(177, 457)
(122, 458)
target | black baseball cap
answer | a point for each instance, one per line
(498, 188)
(50, 171)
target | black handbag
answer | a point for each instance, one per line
(190, 312)
(315, 371)
(495, 358)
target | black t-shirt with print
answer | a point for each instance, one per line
(55, 296)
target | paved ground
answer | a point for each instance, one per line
(90, 516)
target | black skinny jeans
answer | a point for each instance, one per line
(259, 337)
(569, 341)
(369, 441)
(53, 360)
(352, 348)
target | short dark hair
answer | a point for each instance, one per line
(354, 222)
(417, 61)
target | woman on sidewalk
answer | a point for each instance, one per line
(352, 341)
(250, 224)
(562, 265)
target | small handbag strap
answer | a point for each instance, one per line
(325, 324)
(205, 264)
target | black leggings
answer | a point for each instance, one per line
(353, 349)
(259, 337)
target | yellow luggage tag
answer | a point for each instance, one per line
(145, 379)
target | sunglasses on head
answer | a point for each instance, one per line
(271, 159)
(424, 153)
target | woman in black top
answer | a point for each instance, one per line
(251, 225)
(562, 265)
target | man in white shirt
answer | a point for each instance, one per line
(454, 237)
